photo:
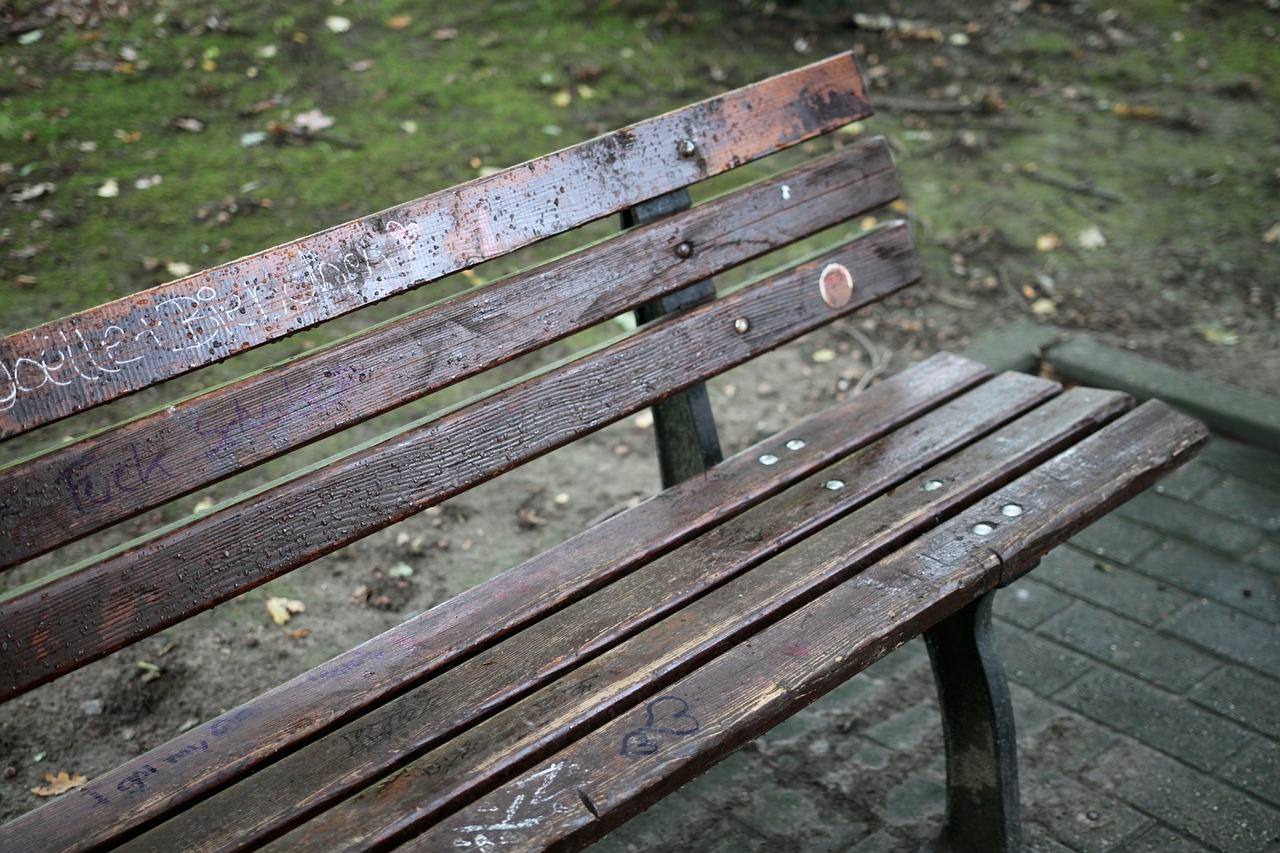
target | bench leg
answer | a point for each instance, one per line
(684, 426)
(977, 726)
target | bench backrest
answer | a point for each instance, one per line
(81, 613)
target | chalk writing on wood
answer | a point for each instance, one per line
(530, 803)
(208, 317)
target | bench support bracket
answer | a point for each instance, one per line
(683, 424)
(978, 729)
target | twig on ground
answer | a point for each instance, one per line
(1082, 187)
(879, 360)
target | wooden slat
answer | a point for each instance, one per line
(72, 364)
(79, 489)
(268, 725)
(572, 797)
(88, 613)
(278, 796)
(501, 747)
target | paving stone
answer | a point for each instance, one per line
(1189, 481)
(879, 842)
(1036, 662)
(915, 797)
(870, 686)
(1266, 556)
(1155, 718)
(1085, 576)
(672, 823)
(1253, 503)
(1242, 695)
(794, 727)
(1160, 839)
(1036, 839)
(1116, 539)
(1231, 633)
(1029, 602)
(1188, 801)
(777, 812)
(1128, 646)
(1193, 522)
(863, 752)
(1256, 769)
(1214, 576)
(906, 729)
(1084, 819)
(1247, 463)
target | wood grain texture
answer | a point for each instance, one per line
(90, 612)
(572, 797)
(498, 748)
(278, 796)
(80, 488)
(81, 361)
(291, 714)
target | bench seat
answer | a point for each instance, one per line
(545, 706)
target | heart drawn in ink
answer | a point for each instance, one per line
(666, 715)
(638, 743)
(674, 713)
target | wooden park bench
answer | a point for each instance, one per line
(548, 705)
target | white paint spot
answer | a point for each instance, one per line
(786, 193)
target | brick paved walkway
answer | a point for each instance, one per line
(1144, 661)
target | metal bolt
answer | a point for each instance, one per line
(983, 529)
(1011, 510)
(768, 459)
(687, 148)
(932, 486)
(834, 485)
(741, 325)
(684, 250)
(796, 444)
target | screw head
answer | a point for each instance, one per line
(687, 148)
(684, 250)
(741, 325)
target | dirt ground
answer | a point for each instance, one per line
(1102, 171)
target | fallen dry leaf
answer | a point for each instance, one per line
(1048, 242)
(1091, 238)
(282, 609)
(59, 784)
(312, 121)
(399, 22)
(1272, 235)
(297, 633)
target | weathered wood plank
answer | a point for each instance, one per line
(69, 365)
(90, 612)
(270, 724)
(501, 747)
(572, 797)
(278, 796)
(81, 488)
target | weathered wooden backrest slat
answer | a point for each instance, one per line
(88, 612)
(66, 366)
(78, 489)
